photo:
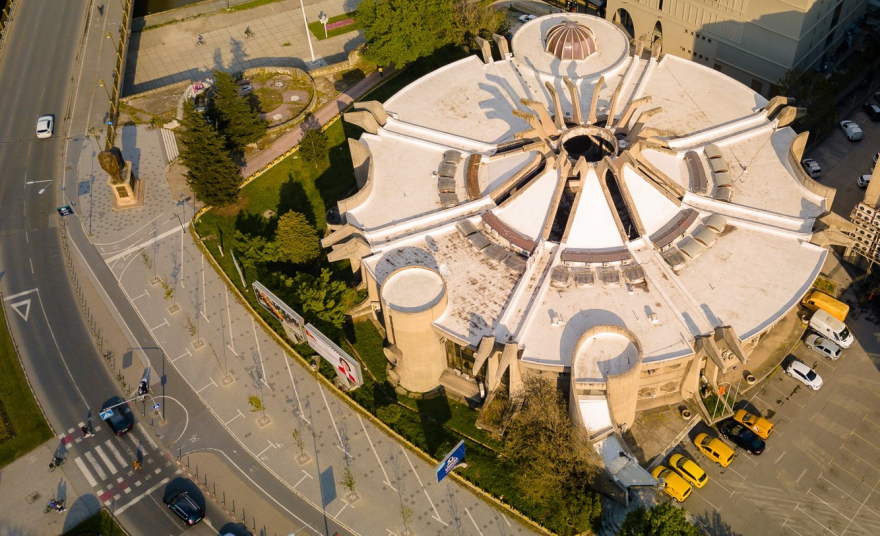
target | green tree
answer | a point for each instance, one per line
(402, 31)
(661, 520)
(233, 116)
(255, 250)
(324, 299)
(552, 460)
(475, 19)
(314, 146)
(211, 174)
(296, 239)
(813, 91)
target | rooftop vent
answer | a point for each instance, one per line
(609, 276)
(583, 277)
(570, 41)
(560, 277)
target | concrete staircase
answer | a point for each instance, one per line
(170, 143)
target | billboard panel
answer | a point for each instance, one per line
(293, 323)
(345, 365)
(450, 462)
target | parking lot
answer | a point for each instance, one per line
(843, 161)
(820, 471)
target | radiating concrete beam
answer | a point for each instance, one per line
(485, 49)
(374, 107)
(541, 111)
(591, 118)
(501, 42)
(363, 119)
(559, 120)
(576, 116)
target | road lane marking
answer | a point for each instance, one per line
(106, 459)
(376, 453)
(146, 434)
(436, 514)
(137, 247)
(94, 463)
(141, 496)
(25, 293)
(109, 444)
(85, 471)
(17, 307)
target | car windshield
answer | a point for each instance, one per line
(844, 334)
(811, 375)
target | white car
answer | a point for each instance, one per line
(804, 374)
(527, 18)
(45, 126)
(863, 181)
(812, 168)
(823, 346)
(852, 130)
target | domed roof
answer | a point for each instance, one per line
(570, 40)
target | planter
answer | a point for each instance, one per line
(686, 414)
(751, 379)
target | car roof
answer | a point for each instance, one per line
(802, 367)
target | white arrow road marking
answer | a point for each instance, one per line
(17, 308)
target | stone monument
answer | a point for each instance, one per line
(128, 191)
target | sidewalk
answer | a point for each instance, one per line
(323, 116)
(168, 54)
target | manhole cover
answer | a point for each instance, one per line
(277, 117)
(279, 84)
(294, 98)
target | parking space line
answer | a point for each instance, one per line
(859, 457)
(865, 418)
(851, 520)
(816, 520)
(863, 439)
(735, 471)
(850, 496)
(708, 501)
(792, 528)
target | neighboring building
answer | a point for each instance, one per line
(623, 223)
(753, 41)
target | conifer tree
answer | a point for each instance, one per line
(233, 116)
(314, 146)
(211, 173)
(297, 239)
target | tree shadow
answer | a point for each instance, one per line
(712, 524)
(292, 196)
(434, 411)
(256, 225)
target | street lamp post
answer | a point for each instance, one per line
(306, 23)
(324, 20)
(103, 85)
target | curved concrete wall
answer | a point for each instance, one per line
(422, 355)
(362, 160)
(795, 154)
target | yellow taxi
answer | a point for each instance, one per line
(673, 484)
(761, 426)
(689, 470)
(715, 449)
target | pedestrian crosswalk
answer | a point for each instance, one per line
(107, 463)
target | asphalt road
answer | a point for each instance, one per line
(58, 352)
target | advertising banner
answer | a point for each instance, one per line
(450, 462)
(292, 322)
(346, 366)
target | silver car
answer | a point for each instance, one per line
(823, 346)
(45, 126)
(852, 130)
(804, 374)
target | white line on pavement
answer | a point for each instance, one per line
(209, 385)
(57, 347)
(204, 296)
(436, 514)
(141, 496)
(31, 291)
(138, 247)
(229, 322)
(237, 416)
(85, 471)
(271, 446)
(106, 459)
(306, 475)
(147, 294)
(376, 453)
(109, 444)
(472, 521)
(259, 352)
(295, 390)
(97, 467)
(164, 323)
(330, 412)
(146, 434)
(182, 355)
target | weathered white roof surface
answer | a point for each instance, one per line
(413, 289)
(603, 355)
(753, 273)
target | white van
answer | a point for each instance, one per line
(826, 325)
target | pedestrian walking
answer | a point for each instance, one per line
(86, 432)
(381, 75)
(137, 465)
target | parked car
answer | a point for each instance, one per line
(673, 484)
(527, 18)
(185, 507)
(812, 168)
(873, 111)
(689, 470)
(863, 180)
(742, 436)
(804, 374)
(852, 130)
(759, 425)
(823, 346)
(715, 449)
(45, 126)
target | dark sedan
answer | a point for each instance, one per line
(185, 507)
(742, 436)
(116, 418)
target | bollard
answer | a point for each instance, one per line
(224, 496)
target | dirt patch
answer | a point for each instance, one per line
(156, 108)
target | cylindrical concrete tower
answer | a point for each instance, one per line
(413, 297)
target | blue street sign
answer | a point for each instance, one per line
(156, 406)
(65, 210)
(451, 460)
(106, 414)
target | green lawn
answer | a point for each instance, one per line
(317, 28)
(22, 426)
(101, 523)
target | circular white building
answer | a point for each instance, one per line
(584, 208)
